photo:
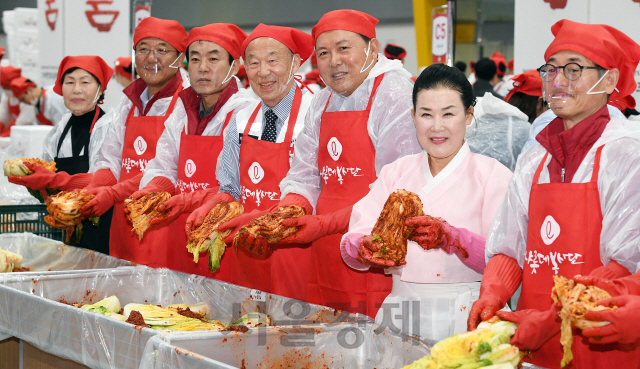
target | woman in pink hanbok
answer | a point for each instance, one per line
(460, 193)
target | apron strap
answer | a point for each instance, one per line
(376, 83)
(169, 109)
(293, 116)
(539, 170)
(596, 165)
(95, 119)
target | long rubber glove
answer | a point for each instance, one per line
(610, 271)
(431, 233)
(211, 198)
(625, 325)
(184, 203)
(42, 178)
(101, 178)
(252, 244)
(535, 327)
(501, 279)
(316, 226)
(108, 196)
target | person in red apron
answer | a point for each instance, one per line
(131, 140)
(257, 154)
(49, 106)
(360, 123)
(9, 105)
(572, 207)
(124, 70)
(193, 137)
(74, 144)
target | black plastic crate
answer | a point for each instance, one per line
(28, 218)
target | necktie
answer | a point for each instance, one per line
(269, 133)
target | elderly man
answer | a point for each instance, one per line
(257, 154)
(573, 206)
(131, 140)
(189, 147)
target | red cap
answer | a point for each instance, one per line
(91, 63)
(167, 30)
(122, 63)
(20, 85)
(313, 77)
(7, 74)
(395, 52)
(297, 41)
(229, 36)
(348, 20)
(498, 58)
(1, 52)
(623, 103)
(510, 66)
(529, 83)
(472, 65)
(603, 45)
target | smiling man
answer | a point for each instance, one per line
(573, 205)
(258, 148)
(188, 150)
(137, 124)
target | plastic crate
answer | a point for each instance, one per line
(28, 218)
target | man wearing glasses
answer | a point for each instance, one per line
(573, 205)
(137, 125)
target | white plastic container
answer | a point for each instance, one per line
(28, 141)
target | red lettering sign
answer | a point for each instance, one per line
(101, 19)
(557, 4)
(51, 14)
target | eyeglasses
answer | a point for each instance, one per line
(144, 52)
(573, 71)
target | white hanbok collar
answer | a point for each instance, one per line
(433, 182)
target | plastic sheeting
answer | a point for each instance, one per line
(13, 194)
(111, 153)
(619, 201)
(390, 126)
(165, 163)
(499, 130)
(30, 310)
(345, 345)
(95, 142)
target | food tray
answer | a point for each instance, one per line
(43, 254)
(29, 310)
(344, 345)
(28, 218)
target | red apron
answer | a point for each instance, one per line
(263, 165)
(139, 147)
(195, 173)
(41, 118)
(563, 238)
(346, 160)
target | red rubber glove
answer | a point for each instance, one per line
(316, 226)
(183, 203)
(42, 178)
(501, 279)
(238, 222)
(625, 322)
(211, 198)
(535, 327)
(108, 196)
(613, 270)
(249, 242)
(366, 250)
(616, 287)
(101, 178)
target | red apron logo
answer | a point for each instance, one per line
(189, 168)
(256, 173)
(101, 19)
(51, 14)
(335, 148)
(140, 145)
(550, 230)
